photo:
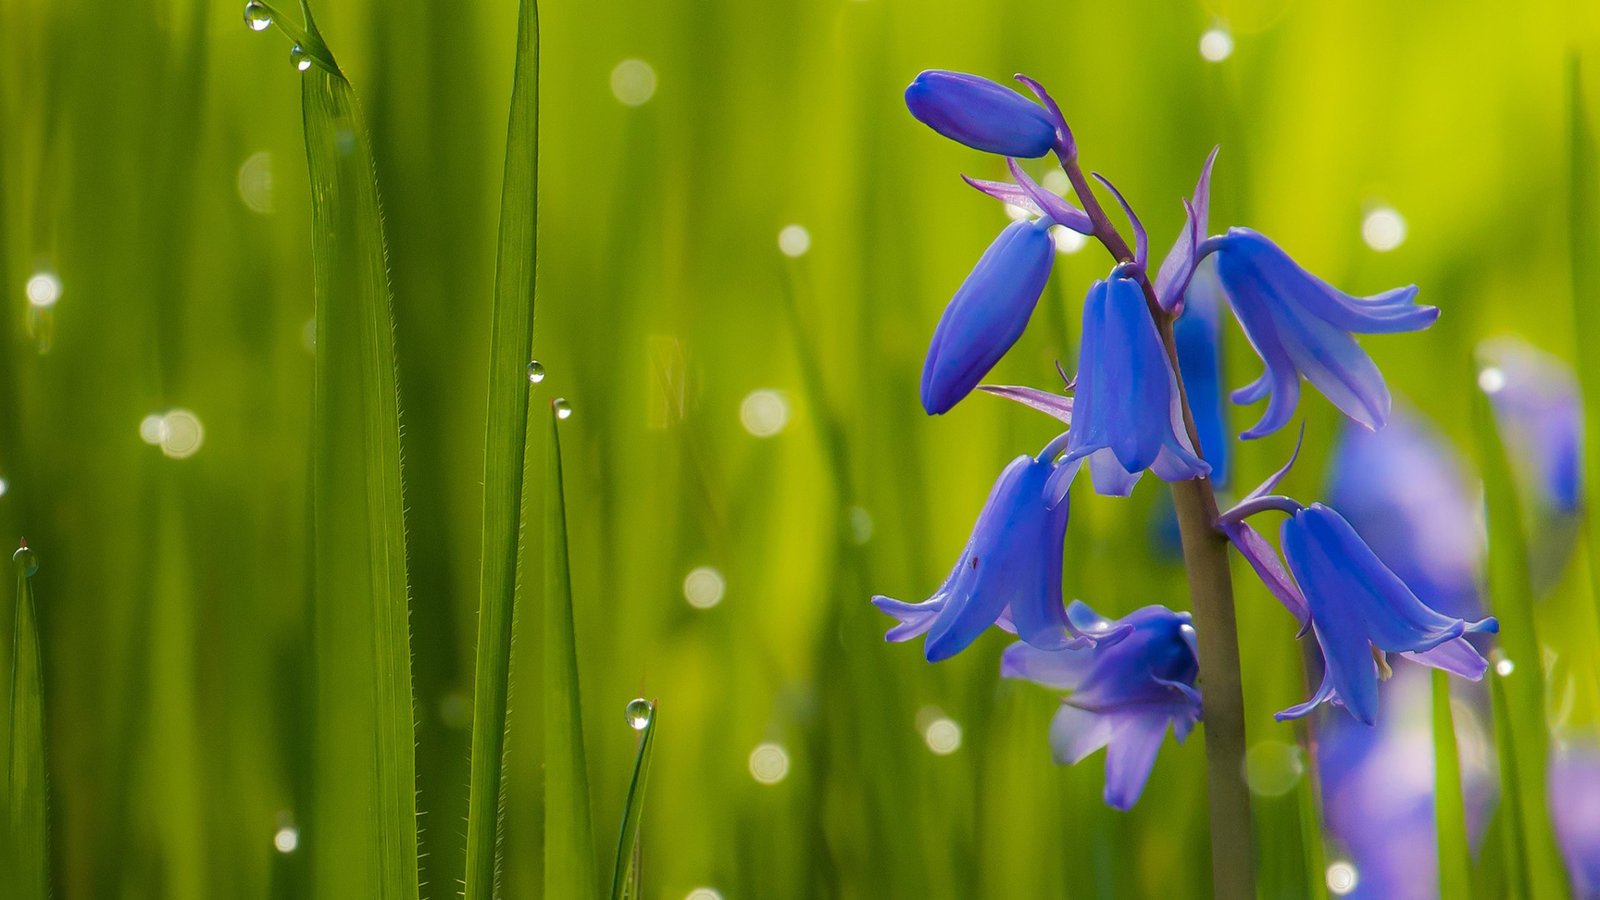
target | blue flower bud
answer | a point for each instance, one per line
(987, 314)
(980, 113)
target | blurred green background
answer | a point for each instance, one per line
(747, 461)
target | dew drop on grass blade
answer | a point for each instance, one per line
(641, 716)
(569, 861)
(362, 833)
(511, 380)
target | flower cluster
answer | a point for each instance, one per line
(1146, 396)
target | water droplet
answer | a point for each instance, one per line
(639, 712)
(257, 16)
(562, 407)
(535, 371)
(27, 559)
(299, 58)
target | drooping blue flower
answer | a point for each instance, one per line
(1575, 813)
(1357, 607)
(1536, 405)
(987, 314)
(985, 115)
(1009, 573)
(1403, 488)
(1301, 325)
(1124, 691)
(1126, 412)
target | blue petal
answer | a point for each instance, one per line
(1058, 669)
(1456, 657)
(1264, 560)
(987, 314)
(1135, 740)
(1197, 333)
(915, 618)
(980, 113)
(1076, 733)
(1172, 280)
(1280, 276)
(1338, 623)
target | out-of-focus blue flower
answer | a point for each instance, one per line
(1009, 573)
(1575, 812)
(982, 114)
(1301, 325)
(1126, 413)
(1124, 691)
(1378, 789)
(987, 314)
(1536, 405)
(1403, 489)
(1198, 335)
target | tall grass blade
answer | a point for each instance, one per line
(1449, 810)
(27, 830)
(1312, 849)
(504, 447)
(625, 876)
(569, 868)
(1521, 731)
(363, 829)
(1583, 210)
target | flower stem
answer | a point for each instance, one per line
(1205, 556)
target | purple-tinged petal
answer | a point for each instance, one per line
(1076, 733)
(1278, 275)
(1131, 754)
(1066, 148)
(1058, 669)
(1048, 402)
(1575, 812)
(1141, 239)
(1109, 477)
(1324, 694)
(1264, 560)
(987, 314)
(915, 618)
(1266, 487)
(1178, 267)
(1197, 334)
(1537, 407)
(1056, 489)
(1059, 210)
(1456, 657)
(1005, 192)
(981, 114)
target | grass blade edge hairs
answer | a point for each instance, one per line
(569, 861)
(505, 446)
(364, 814)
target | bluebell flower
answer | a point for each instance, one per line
(1301, 325)
(1405, 490)
(1125, 690)
(1127, 416)
(1354, 604)
(1378, 788)
(1536, 405)
(987, 314)
(985, 115)
(1575, 813)
(1008, 574)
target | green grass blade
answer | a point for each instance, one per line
(1449, 811)
(569, 869)
(1521, 731)
(1583, 210)
(625, 876)
(1308, 795)
(505, 443)
(27, 791)
(363, 835)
